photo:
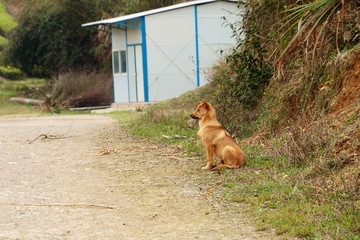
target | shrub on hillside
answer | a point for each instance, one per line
(11, 73)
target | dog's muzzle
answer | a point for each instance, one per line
(194, 117)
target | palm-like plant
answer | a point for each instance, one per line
(306, 21)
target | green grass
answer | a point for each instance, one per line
(7, 22)
(275, 193)
(291, 207)
(123, 117)
(11, 73)
(29, 88)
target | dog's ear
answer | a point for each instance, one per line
(205, 104)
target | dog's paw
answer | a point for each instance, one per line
(208, 166)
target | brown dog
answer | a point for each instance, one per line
(216, 139)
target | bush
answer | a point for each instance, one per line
(81, 89)
(11, 73)
(49, 39)
(3, 42)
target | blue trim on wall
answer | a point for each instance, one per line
(122, 23)
(134, 44)
(145, 60)
(197, 46)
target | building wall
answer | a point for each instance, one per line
(121, 86)
(214, 35)
(171, 53)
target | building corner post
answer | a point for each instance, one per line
(197, 59)
(145, 60)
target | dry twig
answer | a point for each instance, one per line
(45, 136)
(107, 150)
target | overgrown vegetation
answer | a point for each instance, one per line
(290, 91)
(81, 89)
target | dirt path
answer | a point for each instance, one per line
(61, 187)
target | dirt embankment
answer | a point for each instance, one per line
(83, 177)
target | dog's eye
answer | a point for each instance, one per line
(198, 110)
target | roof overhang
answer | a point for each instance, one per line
(111, 21)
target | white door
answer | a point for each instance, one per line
(135, 73)
(121, 93)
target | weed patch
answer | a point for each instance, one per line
(28, 88)
(81, 89)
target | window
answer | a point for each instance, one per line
(119, 61)
(116, 62)
(123, 61)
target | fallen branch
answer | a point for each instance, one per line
(26, 101)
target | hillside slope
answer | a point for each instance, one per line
(7, 23)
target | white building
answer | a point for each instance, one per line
(162, 53)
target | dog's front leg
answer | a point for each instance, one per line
(210, 157)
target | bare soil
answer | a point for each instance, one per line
(85, 177)
(350, 91)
